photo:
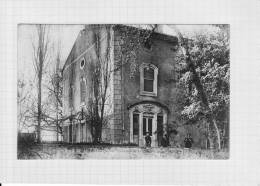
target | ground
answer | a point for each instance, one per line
(65, 151)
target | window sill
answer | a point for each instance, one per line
(144, 93)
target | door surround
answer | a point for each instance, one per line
(147, 108)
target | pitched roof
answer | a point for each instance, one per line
(158, 34)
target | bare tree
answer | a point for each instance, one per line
(40, 57)
(53, 116)
(57, 85)
(100, 80)
(23, 97)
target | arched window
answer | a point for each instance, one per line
(148, 80)
(83, 90)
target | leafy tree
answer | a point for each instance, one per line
(204, 62)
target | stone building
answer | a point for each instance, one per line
(145, 102)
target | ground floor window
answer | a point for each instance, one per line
(135, 124)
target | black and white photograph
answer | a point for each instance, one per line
(140, 92)
(123, 91)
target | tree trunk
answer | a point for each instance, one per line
(204, 99)
(218, 133)
(211, 142)
(39, 106)
(199, 87)
(40, 54)
(213, 127)
(96, 134)
(57, 132)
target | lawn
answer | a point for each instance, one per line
(65, 151)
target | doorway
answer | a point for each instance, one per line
(147, 119)
(147, 127)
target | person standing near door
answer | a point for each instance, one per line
(148, 140)
(188, 141)
(165, 140)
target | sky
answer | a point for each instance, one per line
(66, 35)
(63, 34)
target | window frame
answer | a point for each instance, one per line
(155, 80)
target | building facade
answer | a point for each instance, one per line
(139, 103)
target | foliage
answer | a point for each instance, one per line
(209, 54)
(132, 40)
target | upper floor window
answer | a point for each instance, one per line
(148, 80)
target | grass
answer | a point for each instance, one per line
(65, 151)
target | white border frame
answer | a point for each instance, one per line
(243, 166)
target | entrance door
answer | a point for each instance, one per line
(147, 126)
(146, 119)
